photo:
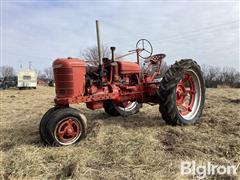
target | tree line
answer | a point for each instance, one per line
(214, 76)
(6, 71)
(218, 77)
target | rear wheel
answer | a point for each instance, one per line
(182, 93)
(129, 108)
(110, 109)
(65, 126)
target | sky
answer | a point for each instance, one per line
(41, 31)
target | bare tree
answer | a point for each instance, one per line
(48, 72)
(40, 74)
(230, 76)
(215, 76)
(7, 71)
(91, 54)
(211, 75)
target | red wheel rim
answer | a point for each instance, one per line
(185, 95)
(68, 131)
(128, 105)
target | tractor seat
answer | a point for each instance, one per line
(155, 58)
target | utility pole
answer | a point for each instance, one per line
(20, 64)
(30, 64)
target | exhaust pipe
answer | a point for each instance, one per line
(99, 44)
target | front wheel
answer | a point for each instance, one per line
(63, 126)
(182, 93)
(43, 123)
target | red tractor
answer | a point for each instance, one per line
(120, 88)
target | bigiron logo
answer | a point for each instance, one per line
(207, 169)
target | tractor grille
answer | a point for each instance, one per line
(63, 82)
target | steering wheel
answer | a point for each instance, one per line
(145, 48)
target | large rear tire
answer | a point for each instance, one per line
(114, 110)
(182, 93)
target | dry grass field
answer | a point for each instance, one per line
(138, 147)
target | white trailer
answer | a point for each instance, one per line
(27, 79)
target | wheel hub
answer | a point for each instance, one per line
(68, 130)
(185, 95)
(181, 93)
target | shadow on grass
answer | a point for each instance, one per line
(141, 119)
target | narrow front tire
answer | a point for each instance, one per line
(65, 126)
